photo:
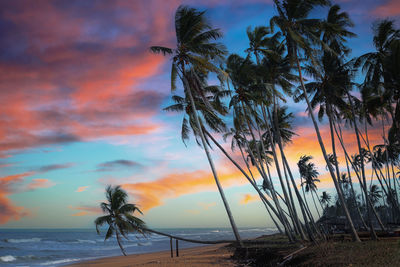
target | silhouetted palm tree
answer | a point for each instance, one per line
(301, 35)
(195, 55)
(120, 218)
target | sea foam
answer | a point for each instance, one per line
(7, 258)
(22, 240)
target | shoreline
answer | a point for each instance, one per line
(209, 255)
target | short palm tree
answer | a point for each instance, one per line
(120, 218)
(325, 199)
(375, 194)
(309, 173)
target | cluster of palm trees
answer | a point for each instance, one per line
(306, 59)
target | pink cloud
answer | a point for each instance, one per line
(388, 9)
(8, 211)
(85, 210)
(82, 188)
(38, 184)
(152, 194)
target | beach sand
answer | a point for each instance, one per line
(214, 255)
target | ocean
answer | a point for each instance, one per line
(58, 247)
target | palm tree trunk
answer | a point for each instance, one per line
(277, 168)
(373, 233)
(263, 198)
(280, 213)
(331, 171)
(119, 242)
(368, 200)
(210, 161)
(287, 167)
(319, 215)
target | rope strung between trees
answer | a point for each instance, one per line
(209, 242)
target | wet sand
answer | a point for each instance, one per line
(214, 255)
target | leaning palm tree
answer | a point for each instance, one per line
(300, 34)
(120, 218)
(195, 55)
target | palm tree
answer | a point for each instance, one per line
(120, 218)
(375, 194)
(194, 55)
(300, 34)
(309, 173)
(325, 198)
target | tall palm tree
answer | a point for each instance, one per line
(120, 218)
(195, 54)
(301, 34)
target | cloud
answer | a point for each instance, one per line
(247, 198)
(193, 212)
(8, 211)
(38, 183)
(53, 167)
(85, 210)
(82, 188)
(118, 164)
(206, 206)
(77, 73)
(153, 193)
(390, 8)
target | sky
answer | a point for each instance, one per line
(81, 101)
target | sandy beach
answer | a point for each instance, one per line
(214, 255)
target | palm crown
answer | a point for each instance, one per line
(120, 218)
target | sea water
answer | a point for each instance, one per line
(57, 247)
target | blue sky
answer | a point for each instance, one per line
(81, 104)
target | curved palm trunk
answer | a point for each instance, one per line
(210, 161)
(280, 213)
(289, 230)
(331, 171)
(373, 233)
(360, 181)
(119, 242)
(319, 215)
(287, 167)
(277, 133)
(291, 208)
(263, 198)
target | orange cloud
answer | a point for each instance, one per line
(82, 188)
(8, 211)
(388, 9)
(247, 198)
(39, 183)
(154, 193)
(85, 210)
(72, 85)
(206, 206)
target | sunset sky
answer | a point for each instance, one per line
(81, 103)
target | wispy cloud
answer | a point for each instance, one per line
(388, 9)
(82, 188)
(85, 210)
(118, 164)
(53, 167)
(8, 211)
(247, 198)
(154, 193)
